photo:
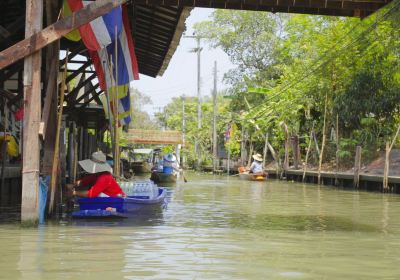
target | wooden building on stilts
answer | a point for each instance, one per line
(36, 61)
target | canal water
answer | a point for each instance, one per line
(219, 228)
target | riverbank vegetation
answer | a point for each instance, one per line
(323, 84)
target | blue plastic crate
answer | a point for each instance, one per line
(167, 169)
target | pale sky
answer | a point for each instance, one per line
(181, 75)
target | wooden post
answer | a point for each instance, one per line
(386, 168)
(265, 149)
(229, 159)
(243, 146)
(275, 157)
(295, 149)
(48, 123)
(387, 161)
(357, 167)
(286, 159)
(4, 144)
(56, 155)
(308, 152)
(337, 151)
(321, 155)
(32, 110)
(215, 112)
(250, 153)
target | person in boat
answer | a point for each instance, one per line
(99, 178)
(170, 163)
(256, 166)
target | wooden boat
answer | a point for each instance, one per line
(160, 177)
(117, 207)
(140, 167)
(142, 160)
(252, 177)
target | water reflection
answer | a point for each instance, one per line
(219, 228)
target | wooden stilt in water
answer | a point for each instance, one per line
(387, 161)
(276, 159)
(32, 110)
(357, 167)
(286, 159)
(308, 152)
(250, 153)
(296, 150)
(117, 149)
(337, 151)
(321, 155)
(56, 157)
(4, 144)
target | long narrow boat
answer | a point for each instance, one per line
(160, 177)
(117, 207)
(140, 167)
(252, 177)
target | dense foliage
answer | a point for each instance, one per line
(296, 70)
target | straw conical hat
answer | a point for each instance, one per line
(96, 164)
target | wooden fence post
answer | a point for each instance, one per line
(32, 110)
(357, 167)
(296, 151)
(321, 155)
(308, 152)
(387, 161)
(386, 168)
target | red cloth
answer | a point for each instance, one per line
(102, 183)
(19, 114)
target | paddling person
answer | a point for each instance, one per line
(100, 178)
(170, 163)
(256, 166)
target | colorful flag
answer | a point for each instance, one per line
(100, 32)
(124, 114)
(125, 62)
(127, 66)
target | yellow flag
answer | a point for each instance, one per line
(66, 12)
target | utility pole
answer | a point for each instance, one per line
(215, 156)
(198, 51)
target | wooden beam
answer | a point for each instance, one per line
(78, 71)
(40, 39)
(32, 108)
(71, 96)
(91, 89)
(94, 96)
(13, 69)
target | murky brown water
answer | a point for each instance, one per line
(216, 228)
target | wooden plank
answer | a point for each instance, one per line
(49, 100)
(154, 136)
(32, 109)
(357, 167)
(40, 39)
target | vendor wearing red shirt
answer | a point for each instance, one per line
(100, 178)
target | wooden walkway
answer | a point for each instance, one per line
(368, 182)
